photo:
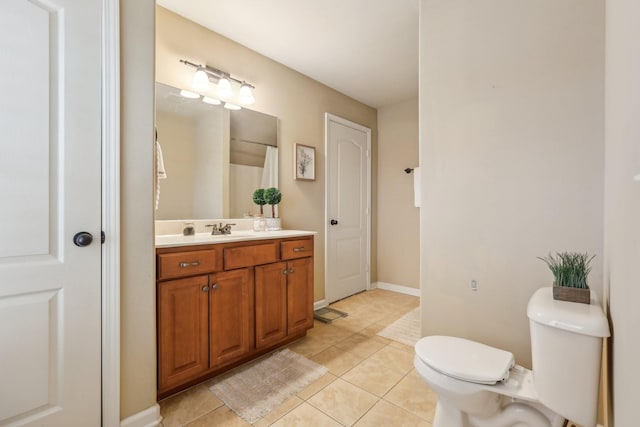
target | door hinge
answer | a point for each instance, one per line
(102, 237)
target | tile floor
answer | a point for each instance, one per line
(371, 380)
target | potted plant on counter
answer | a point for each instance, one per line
(273, 196)
(259, 199)
(570, 271)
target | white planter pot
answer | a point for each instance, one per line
(273, 224)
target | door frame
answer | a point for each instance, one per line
(332, 117)
(111, 213)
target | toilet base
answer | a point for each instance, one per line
(514, 414)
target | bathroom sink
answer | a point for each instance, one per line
(169, 240)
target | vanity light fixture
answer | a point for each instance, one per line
(246, 95)
(230, 106)
(189, 94)
(201, 79)
(224, 88)
(205, 75)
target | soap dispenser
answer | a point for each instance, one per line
(189, 229)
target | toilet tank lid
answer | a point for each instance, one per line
(464, 359)
(585, 319)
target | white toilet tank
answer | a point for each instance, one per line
(566, 350)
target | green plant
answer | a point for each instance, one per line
(273, 196)
(259, 198)
(570, 269)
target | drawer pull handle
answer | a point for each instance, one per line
(189, 264)
(205, 289)
(300, 249)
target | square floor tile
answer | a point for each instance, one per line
(306, 415)
(371, 375)
(221, 417)
(414, 395)
(386, 414)
(343, 402)
(188, 405)
(337, 360)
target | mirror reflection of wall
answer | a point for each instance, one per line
(214, 158)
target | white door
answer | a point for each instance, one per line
(50, 141)
(348, 207)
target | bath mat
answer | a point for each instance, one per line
(405, 330)
(252, 391)
(328, 314)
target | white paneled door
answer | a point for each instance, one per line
(348, 178)
(50, 144)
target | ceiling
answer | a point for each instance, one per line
(366, 49)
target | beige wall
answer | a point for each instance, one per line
(137, 286)
(398, 218)
(622, 202)
(511, 145)
(298, 101)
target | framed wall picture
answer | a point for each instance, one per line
(305, 162)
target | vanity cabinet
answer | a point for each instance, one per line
(221, 305)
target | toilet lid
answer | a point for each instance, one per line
(465, 360)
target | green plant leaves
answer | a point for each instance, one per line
(570, 269)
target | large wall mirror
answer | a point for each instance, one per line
(214, 158)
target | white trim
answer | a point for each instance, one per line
(111, 213)
(397, 288)
(331, 117)
(150, 417)
(320, 304)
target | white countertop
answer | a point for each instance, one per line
(173, 240)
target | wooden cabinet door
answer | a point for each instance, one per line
(299, 295)
(182, 330)
(271, 304)
(231, 315)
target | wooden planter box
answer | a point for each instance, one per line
(564, 293)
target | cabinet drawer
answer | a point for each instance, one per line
(296, 248)
(247, 256)
(182, 264)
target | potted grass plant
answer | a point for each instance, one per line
(570, 271)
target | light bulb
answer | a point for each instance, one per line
(211, 101)
(224, 88)
(189, 94)
(201, 79)
(229, 106)
(246, 95)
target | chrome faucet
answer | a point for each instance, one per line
(220, 229)
(226, 229)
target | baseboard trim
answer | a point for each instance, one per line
(320, 304)
(396, 288)
(150, 417)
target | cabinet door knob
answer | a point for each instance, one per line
(214, 286)
(292, 271)
(285, 271)
(205, 289)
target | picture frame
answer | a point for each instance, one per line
(304, 162)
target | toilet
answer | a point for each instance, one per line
(482, 386)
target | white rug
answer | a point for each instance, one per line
(254, 390)
(405, 330)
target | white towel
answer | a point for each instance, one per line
(160, 172)
(416, 187)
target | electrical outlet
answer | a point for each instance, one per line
(473, 285)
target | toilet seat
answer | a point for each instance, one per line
(465, 360)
